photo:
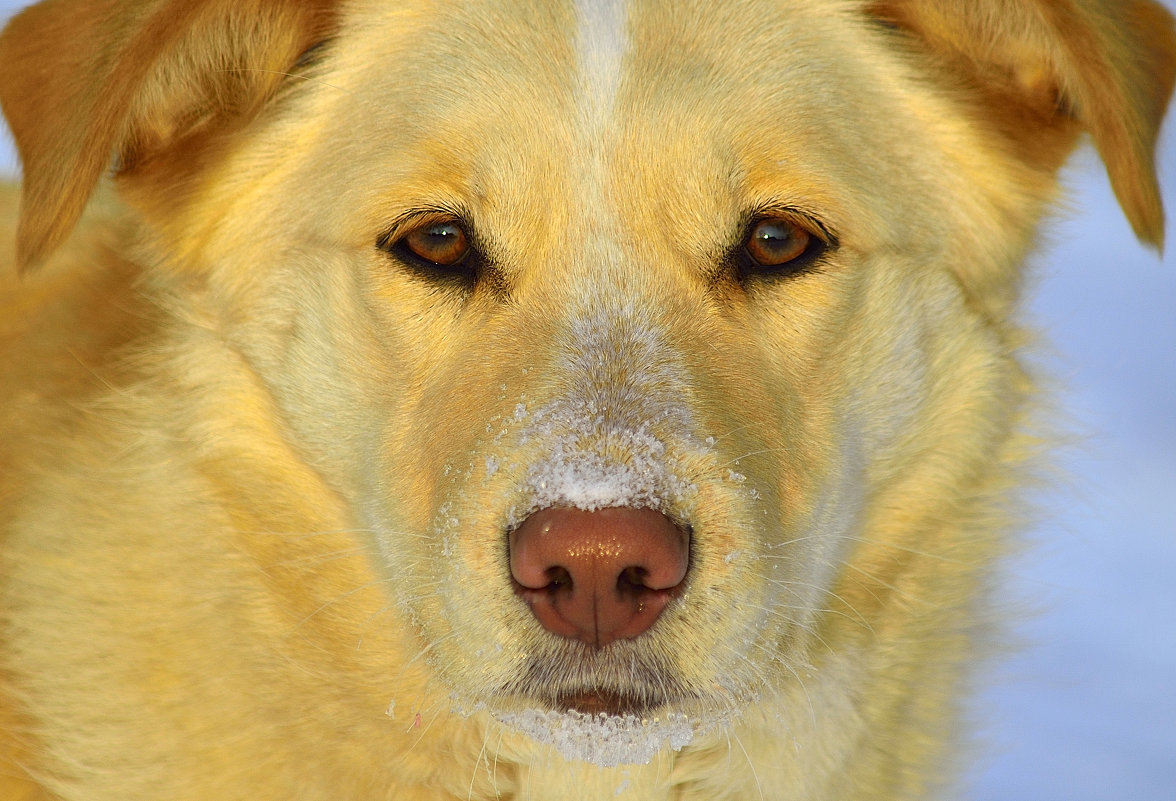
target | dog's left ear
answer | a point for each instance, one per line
(1043, 70)
(90, 83)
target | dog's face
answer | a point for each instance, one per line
(744, 267)
(695, 268)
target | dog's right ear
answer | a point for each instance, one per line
(90, 83)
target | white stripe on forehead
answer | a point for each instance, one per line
(601, 42)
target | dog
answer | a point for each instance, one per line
(547, 400)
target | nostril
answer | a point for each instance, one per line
(558, 578)
(632, 580)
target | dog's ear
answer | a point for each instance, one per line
(1046, 69)
(90, 83)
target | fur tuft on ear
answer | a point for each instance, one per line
(1043, 66)
(90, 83)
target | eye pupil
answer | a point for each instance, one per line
(776, 241)
(442, 243)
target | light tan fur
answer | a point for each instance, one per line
(256, 473)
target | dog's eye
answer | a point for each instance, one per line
(440, 247)
(776, 243)
(443, 243)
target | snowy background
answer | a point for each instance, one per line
(1087, 711)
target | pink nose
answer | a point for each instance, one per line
(598, 576)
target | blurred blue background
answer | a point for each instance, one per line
(1086, 710)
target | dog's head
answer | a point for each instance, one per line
(664, 349)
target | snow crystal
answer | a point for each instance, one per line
(614, 434)
(592, 466)
(603, 740)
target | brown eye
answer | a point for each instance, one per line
(442, 243)
(776, 241)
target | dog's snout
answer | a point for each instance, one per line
(598, 576)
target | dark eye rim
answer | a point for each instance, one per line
(394, 242)
(821, 242)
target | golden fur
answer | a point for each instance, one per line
(256, 471)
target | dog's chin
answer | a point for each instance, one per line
(608, 727)
(604, 738)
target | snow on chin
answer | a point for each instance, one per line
(601, 739)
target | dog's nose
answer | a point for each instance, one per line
(598, 576)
